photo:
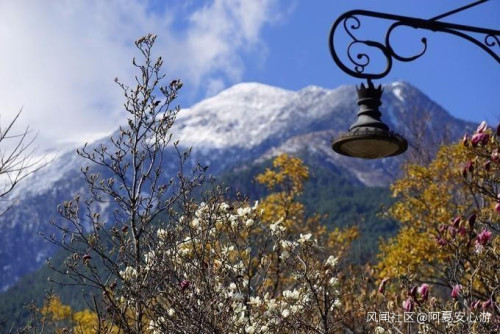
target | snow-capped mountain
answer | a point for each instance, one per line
(246, 123)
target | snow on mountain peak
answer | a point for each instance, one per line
(397, 83)
(313, 89)
(241, 116)
(398, 88)
(256, 88)
(397, 91)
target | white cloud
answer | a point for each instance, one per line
(59, 58)
(214, 86)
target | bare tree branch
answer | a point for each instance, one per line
(18, 158)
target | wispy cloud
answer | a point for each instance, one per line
(59, 58)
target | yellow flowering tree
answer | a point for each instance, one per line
(285, 181)
(60, 318)
(449, 212)
(428, 197)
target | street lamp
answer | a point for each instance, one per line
(369, 137)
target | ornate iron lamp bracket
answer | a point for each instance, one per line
(359, 62)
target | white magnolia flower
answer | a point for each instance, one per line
(285, 313)
(201, 209)
(331, 261)
(255, 301)
(184, 251)
(277, 227)
(284, 255)
(333, 281)
(244, 211)
(304, 237)
(274, 226)
(250, 329)
(162, 234)
(237, 296)
(287, 245)
(224, 207)
(272, 305)
(295, 294)
(149, 257)
(129, 273)
(242, 319)
(195, 223)
(305, 299)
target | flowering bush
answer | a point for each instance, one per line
(217, 276)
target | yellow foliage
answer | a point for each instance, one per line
(409, 252)
(61, 317)
(56, 310)
(286, 179)
(289, 174)
(429, 197)
(86, 322)
(340, 239)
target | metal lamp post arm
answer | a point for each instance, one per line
(360, 61)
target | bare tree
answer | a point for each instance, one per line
(135, 187)
(18, 158)
(423, 135)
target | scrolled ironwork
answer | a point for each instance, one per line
(361, 61)
(355, 26)
(496, 40)
(393, 53)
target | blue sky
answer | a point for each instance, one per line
(59, 58)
